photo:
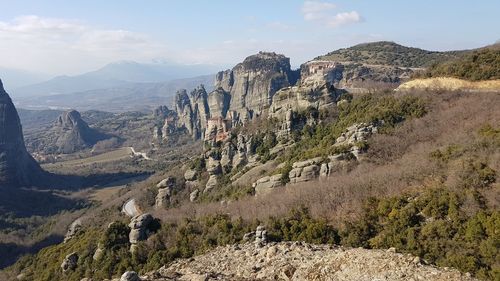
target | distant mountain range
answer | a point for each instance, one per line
(118, 74)
(18, 78)
(120, 98)
(118, 86)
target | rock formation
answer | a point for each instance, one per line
(70, 262)
(240, 94)
(130, 276)
(17, 167)
(301, 261)
(73, 230)
(165, 188)
(68, 134)
(139, 230)
(352, 76)
(73, 134)
(252, 84)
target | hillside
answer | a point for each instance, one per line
(483, 64)
(426, 184)
(298, 160)
(389, 53)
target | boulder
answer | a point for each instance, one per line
(70, 262)
(213, 166)
(163, 197)
(260, 236)
(356, 133)
(190, 175)
(211, 183)
(324, 171)
(130, 276)
(98, 252)
(194, 195)
(139, 229)
(166, 183)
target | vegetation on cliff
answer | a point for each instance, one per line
(389, 53)
(440, 206)
(476, 66)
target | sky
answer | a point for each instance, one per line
(70, 37)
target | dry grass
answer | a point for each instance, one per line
(397, 162)
(452, 84)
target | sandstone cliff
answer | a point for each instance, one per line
(240, 94)
(17, 167)
(252, 84)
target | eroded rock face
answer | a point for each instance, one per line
(73, 230)
(70, 262)
(163, 197)
(354, 135)
(303, 171)
(211, 183)
(17, 167)
(253, 83)
(267, 184)
(240, 95)
(355, 75)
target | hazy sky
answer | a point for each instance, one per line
(69, 37)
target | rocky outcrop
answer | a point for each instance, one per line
(240, 94)
(305, 170)
(73, 133)
(190, 175)
(194, 195)
(17, 167)
(312, 92)
(349, 75)
(73, 230)
(260, 236)
(356, 135)
(139, 229)
(68, 134)
(211, 183)
(301, 261)
(165, 188)
(253, 83)
(267, 184)
(130, 276)
(70, 262)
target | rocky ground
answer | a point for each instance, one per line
(301, 261)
